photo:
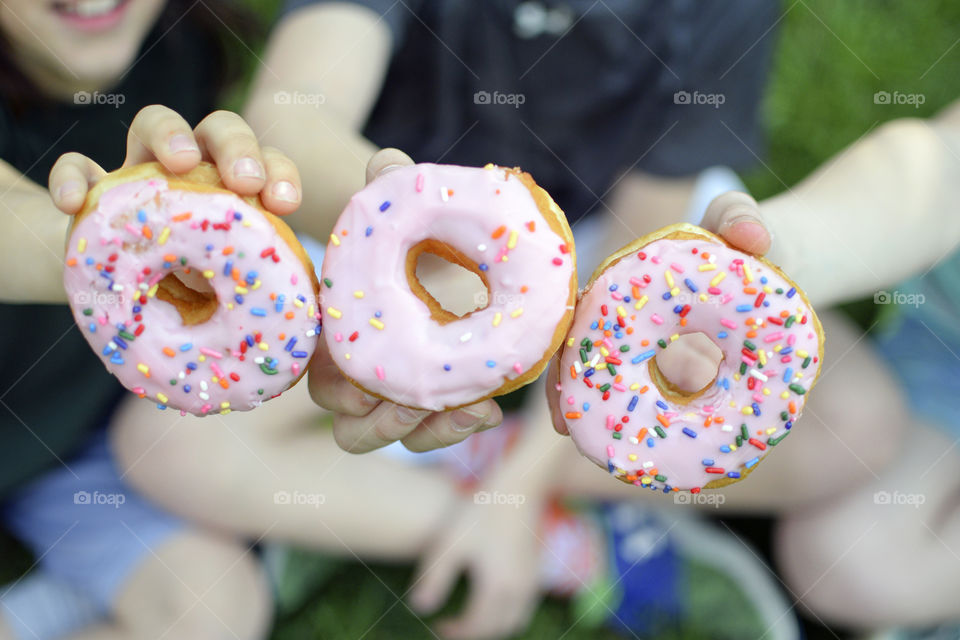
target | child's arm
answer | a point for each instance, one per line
(321, 74)
(31, 244)
(882, 210)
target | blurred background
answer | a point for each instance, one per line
(834, 63)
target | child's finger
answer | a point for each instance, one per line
(330, 390)
(450, 427)
(736, 217)
(385, 160)
(281, 195)
(437, 574)
(72, 175)
(491, 612)
(386, 424)
(553, 395)
(231, 144)
(160, 133)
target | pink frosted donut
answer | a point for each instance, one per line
(625, 417)
(392, 338)
(193, 296)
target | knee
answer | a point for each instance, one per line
(841, 577)
(867, 416)
(237, 606)
(215, 590)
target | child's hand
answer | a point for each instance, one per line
(497, 546)
(691, 362)
(736, 217)
(362, 422)
(159, 133)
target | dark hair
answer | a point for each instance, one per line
(221, 21)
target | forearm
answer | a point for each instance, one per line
(881, 211)
(32, 242)
(330, 156)
(323, 70)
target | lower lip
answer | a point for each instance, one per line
(95, 23)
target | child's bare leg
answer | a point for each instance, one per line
(888, 552)
(276, 472)
(195, 585)
(851, 428)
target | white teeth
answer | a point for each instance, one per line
(94, 8)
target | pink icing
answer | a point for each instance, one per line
(700, 440)
(260, 336)
(387, 340)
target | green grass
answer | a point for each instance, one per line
(820, 96)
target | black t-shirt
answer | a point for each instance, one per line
(575, 91)
(53, 389)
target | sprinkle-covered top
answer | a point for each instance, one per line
(384, 337)
(228, 261)
(618, 416)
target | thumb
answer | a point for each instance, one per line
(71, 177)
(736, 217)
(386, 160)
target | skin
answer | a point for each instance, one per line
(62, 59)
(335, 54)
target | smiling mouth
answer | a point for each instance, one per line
(88, 9)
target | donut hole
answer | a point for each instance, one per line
(448, 282)
(190, 294)
(687, 367)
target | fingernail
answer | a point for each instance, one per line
(369, 400)
(286, 192)
(247, 168)
(181, 143)
(467, 419)
(389, 168)
(406, 415)
(736, 216)
(67, 189)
